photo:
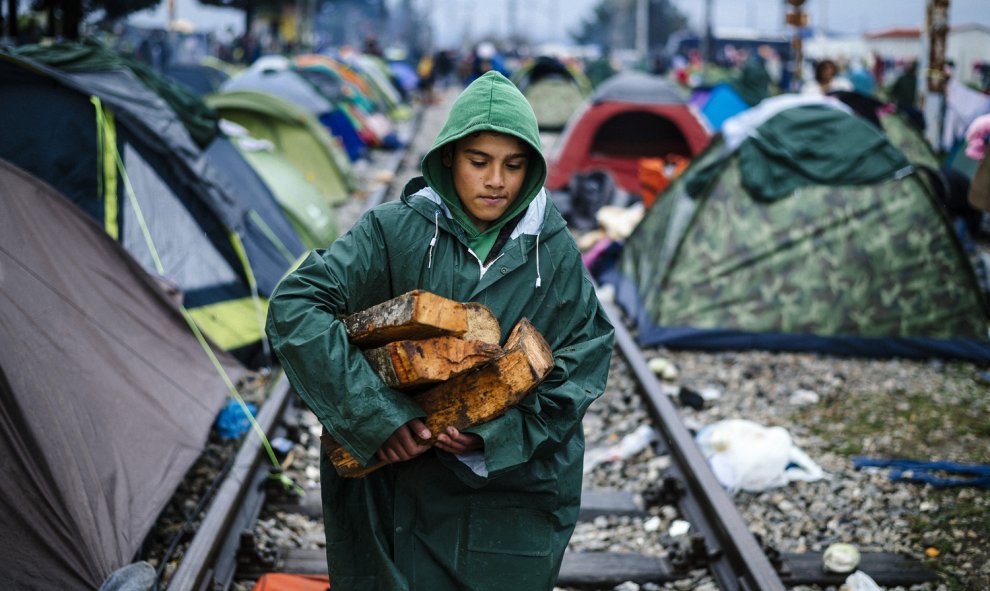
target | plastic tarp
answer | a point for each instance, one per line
(106, 398)
(721, 103)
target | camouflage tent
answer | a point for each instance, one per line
(802, 228)
(895, 124)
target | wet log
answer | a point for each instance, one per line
(414, 315)
(406, 365)
(473, 397)
(482, 324)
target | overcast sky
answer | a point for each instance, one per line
(550, 20)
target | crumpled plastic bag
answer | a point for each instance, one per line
(630, 445)
(860, 581)
(745, 455)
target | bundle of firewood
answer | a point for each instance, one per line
(446, 355)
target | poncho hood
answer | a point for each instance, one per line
(490, 103)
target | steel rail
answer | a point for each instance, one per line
(198, 560)
(209, 560)
(736, 560)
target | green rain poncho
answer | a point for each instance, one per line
(497, 519)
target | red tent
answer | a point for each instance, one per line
(632, 115)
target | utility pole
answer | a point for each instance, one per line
(642, 29)
(708, 42)
(512, 33)
(937, 28)
(798, 19)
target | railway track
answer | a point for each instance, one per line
(705, 541)
(718, 549)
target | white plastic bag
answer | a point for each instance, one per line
(860, 581)
(747, 456)
(628, 446)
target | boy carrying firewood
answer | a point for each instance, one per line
(490, 506)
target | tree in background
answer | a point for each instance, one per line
(251, 8)
(63, 17)
(613, 24)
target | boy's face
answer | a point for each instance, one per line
(488, 169)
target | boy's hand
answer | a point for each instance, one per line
(402, 445)
(455, 442)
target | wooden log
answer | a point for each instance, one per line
(406, 365)
(482, 324)
(525, 337)
(473, 397)
(413, 315)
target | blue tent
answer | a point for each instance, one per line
(722, 102)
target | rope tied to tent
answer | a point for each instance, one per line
(106, 174)
(271, 236)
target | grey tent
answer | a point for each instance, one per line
(106, 398)
(109, 137)
(199, 78)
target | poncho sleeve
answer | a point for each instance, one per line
(328, 373)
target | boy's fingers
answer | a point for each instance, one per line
(458, 437)
(388, 456)
(419, 428)
(409, 446)
(403, 444)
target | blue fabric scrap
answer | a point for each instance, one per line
(977, 475)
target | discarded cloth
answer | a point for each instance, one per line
(232, 422)
(977, 475)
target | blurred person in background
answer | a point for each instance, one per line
(484, 59)
(827, 79)
(904, 94)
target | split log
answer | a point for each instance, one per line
(414, 315)
(482, 324)
(526, 338)
(406, 365)
(473, 397)
(412, 364)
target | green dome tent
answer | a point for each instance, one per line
(295, 134)
(802, 228)
(303, 203)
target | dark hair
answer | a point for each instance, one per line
(820, 68)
